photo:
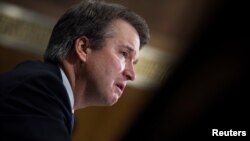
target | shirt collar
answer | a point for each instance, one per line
(68, 88)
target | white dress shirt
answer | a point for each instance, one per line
(68, 89)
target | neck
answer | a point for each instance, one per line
(77, 83)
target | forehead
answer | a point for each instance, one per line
(126, 34)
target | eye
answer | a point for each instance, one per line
(124, 54)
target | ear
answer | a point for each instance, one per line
(82, 48)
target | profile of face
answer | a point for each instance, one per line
(108, 69)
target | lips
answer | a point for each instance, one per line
(121, 86)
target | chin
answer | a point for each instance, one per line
(111, 104)
(112, 101)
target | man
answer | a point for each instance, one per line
(88, 61)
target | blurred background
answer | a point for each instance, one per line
(192, 76)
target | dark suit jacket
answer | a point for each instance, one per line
(34, 105)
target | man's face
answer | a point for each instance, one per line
(109, 68)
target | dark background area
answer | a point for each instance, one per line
(209, 88)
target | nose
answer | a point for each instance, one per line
(129, 72)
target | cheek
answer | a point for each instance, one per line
(118, 64)
(108, 66)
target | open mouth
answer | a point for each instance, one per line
(120, 86)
